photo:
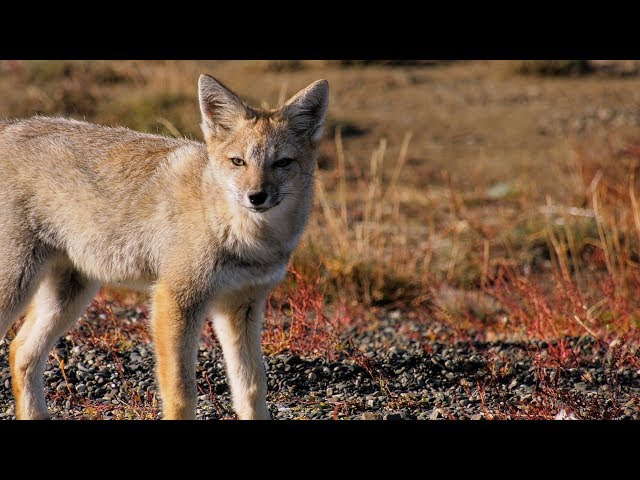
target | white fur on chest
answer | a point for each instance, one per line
(229, 280)
(258, 261)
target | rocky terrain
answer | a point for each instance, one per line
(389, 373)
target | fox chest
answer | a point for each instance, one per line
(234, 276)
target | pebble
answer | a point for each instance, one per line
(392, 416)
(435, 414)
(371, 416)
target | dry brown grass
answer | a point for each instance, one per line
(439, 188)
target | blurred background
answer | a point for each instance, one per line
(494, 199)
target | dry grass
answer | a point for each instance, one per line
(408, 223)
(363, 242)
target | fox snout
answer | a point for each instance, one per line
(258, 197)
(261, 198)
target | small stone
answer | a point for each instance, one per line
(83, 368)
(292, 360)
(392, 416)
(477, 416)
(81, 388)
(371, 416)
(435, 415)
(312, 377)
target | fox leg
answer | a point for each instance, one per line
(238, 325)
(60, 299)
(176, 330)
(21, 265)
(22, 262)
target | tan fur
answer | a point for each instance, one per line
(177, 380)
(84, 204)
(17, 375)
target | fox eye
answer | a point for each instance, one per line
(283, 162)
(238, 162)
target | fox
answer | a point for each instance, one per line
(206, 227)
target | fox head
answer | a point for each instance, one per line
(263, 158)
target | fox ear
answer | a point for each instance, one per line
(221, 109)
(307, 109)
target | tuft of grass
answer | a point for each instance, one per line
(351, 237)
(299, 320)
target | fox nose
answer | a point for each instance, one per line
(258, 198)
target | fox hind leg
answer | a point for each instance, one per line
(21, 265)
(60, 299)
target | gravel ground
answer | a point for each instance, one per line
(396, 377)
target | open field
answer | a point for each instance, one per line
(474, 250)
